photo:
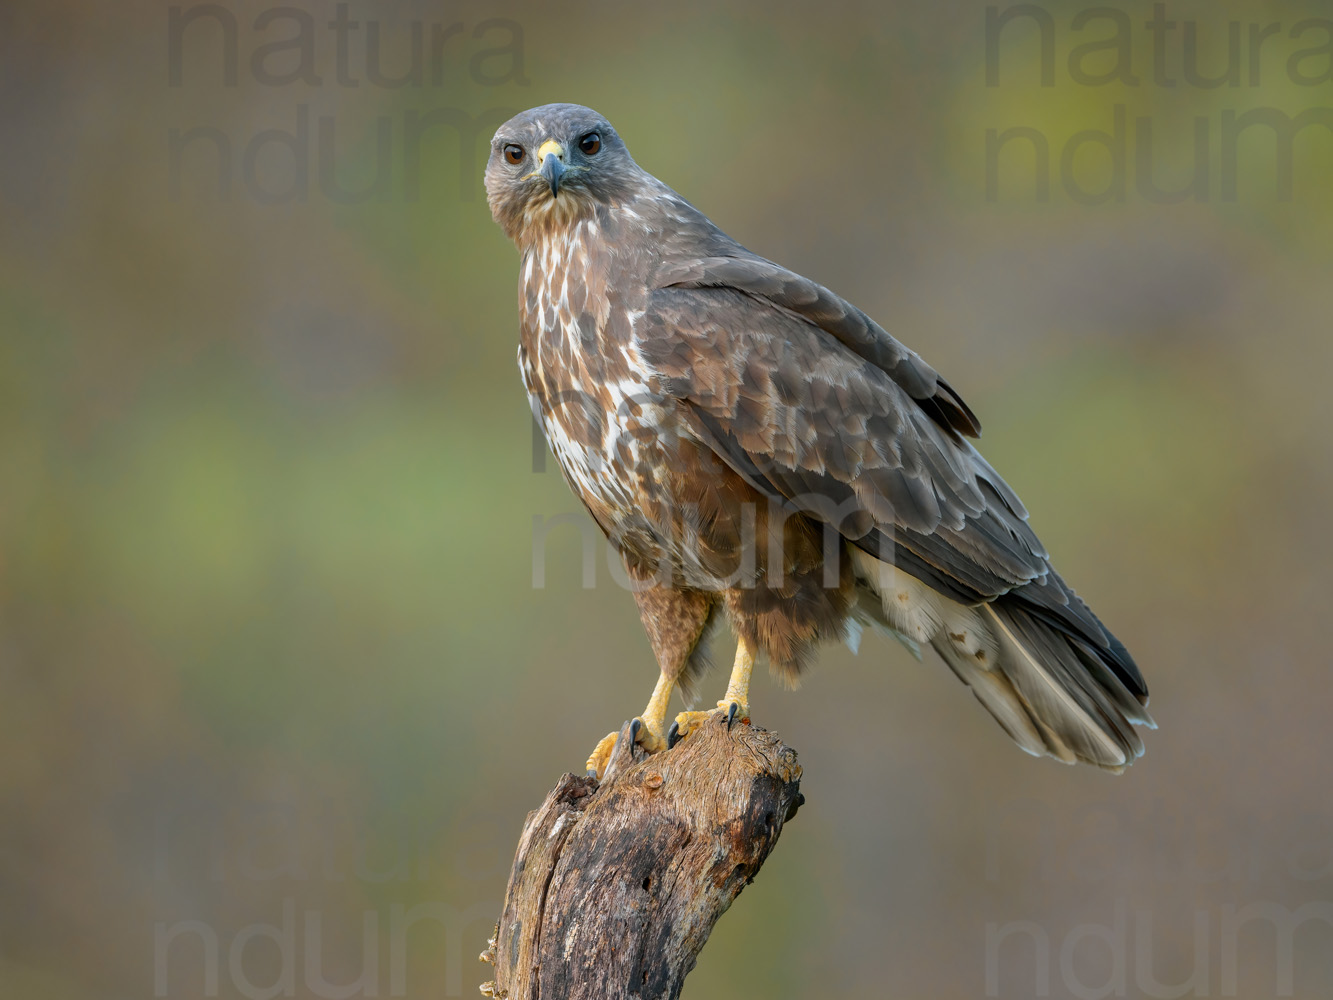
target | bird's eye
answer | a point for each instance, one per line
(514, 153)
(590, 143)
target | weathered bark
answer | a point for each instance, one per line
(616, 887)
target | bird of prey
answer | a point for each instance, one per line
(762, 453)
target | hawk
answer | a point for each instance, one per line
(763, 454)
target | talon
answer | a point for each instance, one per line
(647, 735)
(644, 730)
(732, 709)
(687, 722)
(601, 756)
(673, 735)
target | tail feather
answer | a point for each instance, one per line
(1055, 690)
(1056, 686)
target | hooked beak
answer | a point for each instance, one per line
(552, 157)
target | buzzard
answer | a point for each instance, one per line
(762, 453)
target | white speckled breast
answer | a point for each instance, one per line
(590, 390)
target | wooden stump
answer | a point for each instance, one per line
(616, 887)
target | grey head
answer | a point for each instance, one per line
(552, 165)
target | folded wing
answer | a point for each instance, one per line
(815, 405)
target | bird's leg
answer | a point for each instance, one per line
(734, 705)
(647, 728)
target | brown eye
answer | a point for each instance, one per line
(590, 143)
(514, 153)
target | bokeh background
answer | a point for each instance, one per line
(276, 686)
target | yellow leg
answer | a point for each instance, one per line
(735, 704)
(647, 729)
(738, 686)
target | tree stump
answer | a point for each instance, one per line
(616, 886)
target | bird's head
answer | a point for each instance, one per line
(551, 166)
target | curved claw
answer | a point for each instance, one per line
(732, 709)
(673, 735)
(646, 735)
(601, 755)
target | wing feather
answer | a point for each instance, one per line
(815, 405)
(784, 289)
(841, 435)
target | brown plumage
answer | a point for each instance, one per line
(762, 452)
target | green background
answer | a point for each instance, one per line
(268, 629)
